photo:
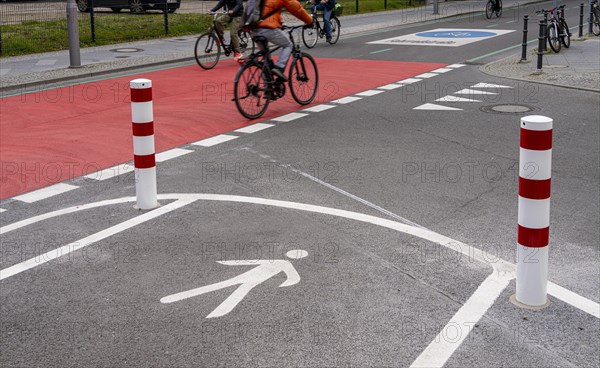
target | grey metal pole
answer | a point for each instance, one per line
(541, 41)
(73, 30)
(590, 25)
(524, 44)
(436, 9)
(580, 20)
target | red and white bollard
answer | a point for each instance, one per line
(535, 164)
(142, 117)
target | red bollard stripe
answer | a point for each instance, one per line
(539, 140)
(533, 238)
(534, 189)
(143, 129)
(141, 94)
(144, 161)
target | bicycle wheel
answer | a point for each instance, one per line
(335, 30)
(207, 51)
(565, 36)
(489, 9)
(304, 79)
(310, 35)
(498, 8)
(552, 35)
(246, 42)
(596, 23)
(251, 90)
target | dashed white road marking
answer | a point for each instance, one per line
(2, 210)
(47, 192)
(212, 141)
(409, 81)
(254, 128)
(391, 86)
(489, 85)
(170, 154)
(111, 172)
(369, 93)
(319, 108)
(430, 106)
(442, 70)
(473, 92)
(455, 99)
(46, 62)
(426, 75)
(454, 66)
(346, 100)
(290, 117)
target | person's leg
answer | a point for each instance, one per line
(278, 38)
(327, 17)
(220, 23)
(235, 39)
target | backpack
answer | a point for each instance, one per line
(251, 16)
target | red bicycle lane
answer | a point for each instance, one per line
(59, 134)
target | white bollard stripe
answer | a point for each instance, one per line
(535, 165)
(534, 213)
(532, 273)
(142, 112)
(536, 122)
(145, 188)
(143, 146)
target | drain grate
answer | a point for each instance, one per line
(127, 49)
(509, 108)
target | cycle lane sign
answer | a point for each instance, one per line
(449, 37)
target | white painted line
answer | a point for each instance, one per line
(441, 70)
(319, 108)
(2, 210)
(510, 21)
(111, 172)
(254, 128)
(46, 62)
(47, 192)
(574, 299)
(458, 328)
(430, 106)
(391, 86)
(409, 81)
(489, 85)
(346, 100)
(82, 243)
(170, 154)
(454, 66)
(492, 26)
(290, 117)
(473, 92)
(369, 93)
(426, 75)
(455, 99)
(212, 141)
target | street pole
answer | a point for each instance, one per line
(73, 31)
(435, 7)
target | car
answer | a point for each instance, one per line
(134, 6)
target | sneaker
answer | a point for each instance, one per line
(237, 56)
(328, 39)
(278, 72)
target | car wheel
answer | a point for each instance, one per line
(82, 5)
(136, 6)
(116, 10)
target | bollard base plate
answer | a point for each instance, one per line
(135, 206)
(513, 299)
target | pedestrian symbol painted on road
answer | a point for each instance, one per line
(443, 37)
(264, 270)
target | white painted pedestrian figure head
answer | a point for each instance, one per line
(296, 254)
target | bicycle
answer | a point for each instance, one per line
(595, 18)
(311, 35)
(493, 6)
(255, 86)
(557, 31)
(207, 50)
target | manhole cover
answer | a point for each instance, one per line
(509, 108)
(122, 57)
(127, 49)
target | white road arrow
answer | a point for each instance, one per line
(264, 270)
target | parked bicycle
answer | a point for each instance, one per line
(255, 86)
(311, 35)
(557, 31)
(493, 6)
(596, 17)
(208, 48)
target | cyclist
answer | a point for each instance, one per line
(270, 28)
(327, 7)
(235, 9)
